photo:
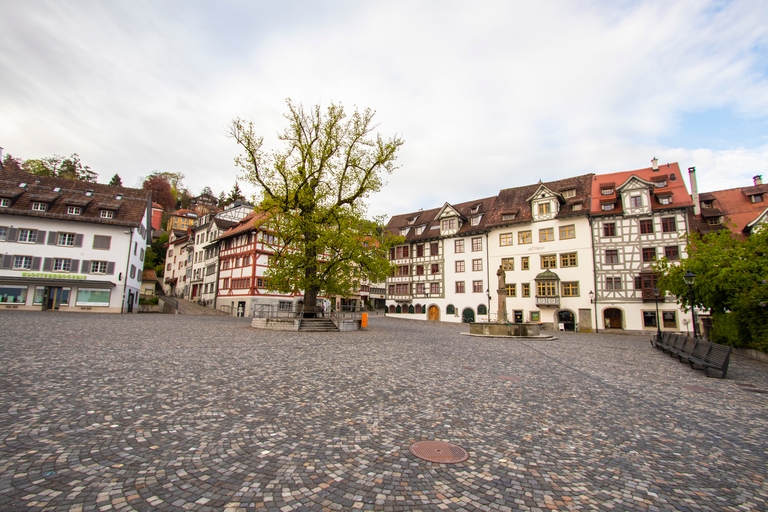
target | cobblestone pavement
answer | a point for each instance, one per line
(171, 412)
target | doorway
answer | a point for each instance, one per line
(241, 309)
(52, 298)
(518, 316)
(613, 318)
(434, 313)
(567, 319)
(468, 315)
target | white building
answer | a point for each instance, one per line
(70, 245)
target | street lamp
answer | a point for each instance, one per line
(658, 321)
(593, 301)
(689, 279)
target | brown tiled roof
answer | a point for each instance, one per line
(250, 222)
(149, 275)
(736, 207)
(675, 187)
(58, 193)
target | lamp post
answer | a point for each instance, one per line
(689, 279)
(658, 320)
(593, 301)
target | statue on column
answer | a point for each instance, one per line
(501, 316)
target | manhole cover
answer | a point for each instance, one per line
(440, 452)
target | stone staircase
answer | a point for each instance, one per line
(317, 325)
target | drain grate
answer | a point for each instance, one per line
(439, 451)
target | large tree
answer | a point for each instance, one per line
(730, 282)
(62, 167)
(161, 191)
(315, 190)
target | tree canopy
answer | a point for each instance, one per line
(56, 166)
(161, 191)
(730, 281)
(315, 189)
(116, 181)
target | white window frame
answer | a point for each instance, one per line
(64, 239)
(62, 265)
(74, 210)
(97, 264)
(30, 238)
(5, 202)
(79, 302)
(39, 206)
(107, 214)
(22, 263)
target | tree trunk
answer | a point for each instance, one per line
(310, 298)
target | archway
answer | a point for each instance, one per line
(392, 309)
(468, 315)
(567, 319)
(434, 313)
(613, 318)
(418, 309)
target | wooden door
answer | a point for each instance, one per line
(434, 313)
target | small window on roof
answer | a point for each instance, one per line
(571, 192)
(107, 214)
(118, 196)
(22, 185)
(756, 198)
(660, 183)
(507, 216)
(606, 191)
(89, 192)
(57, 189)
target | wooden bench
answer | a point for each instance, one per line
(700, 354)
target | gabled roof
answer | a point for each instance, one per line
(250, 222)
(129, 205)
(675, 187)
(735, 206)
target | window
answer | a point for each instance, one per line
(546, 235)
(546, 288)
(401, 270)
(545, 208)
(13, 294)
(419, 270)
(459, 286)
(526, 289)
(74, 210)
(458, 246)
(477, 244)
(22, 262)
(133, 271)
(475, 220)
(105, 242)
(90, 297)
(39, 207)
(65, 239)
(649, 254)
(448, 224)
(636, 201)
(225, 265)
(107, 214)
(535, 316)
(419, 230)
(571, 192)
(403, 231)
(613, 283)
(27, 235)
(575, 207)
(225, 284)
(433, 249)
(434, 288)
(612, 256)
(508, 263)
(756, 198)
(512, 290)
(669, 319)
(420, 288)
(435, 268)
(524, 237)
(606, 191)
(525, 262)
(98, 267)
(477, 265)
(420, 250)
(62, 265)
(507, 216)
(714, 221)
(568, 259)
(460, 266)
(450, 309)
(567, 232)
(3, 233)
(708, 204)
(477, 287)
(646, 227)
(505, 239)
(668, 225)
(665, 200)
(609, 229)
(571, 289)
(660, 183)
(401, 251)
(649, 318)
(672, 253)
(5, 203)
(548, 261)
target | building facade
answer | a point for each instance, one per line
(71, 245)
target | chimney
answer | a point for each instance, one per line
(758, 179)
(694, 191)
(655, 164)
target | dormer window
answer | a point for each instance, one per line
(714, 221)
(74, 210)
(606, 207)
(571, 192)
(419, 230)
(707, 204)
(476, 220)
(448, 224)
(608, 191)
(507, 216)
(576, 207)
(89, 192)
(107, 214)
(474, 209)
(756, 198)
(660, 183)
(5, 203)
(39, 206)
(665, 200)
(545, 208)
(118, 196)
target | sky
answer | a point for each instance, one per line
(486, 94)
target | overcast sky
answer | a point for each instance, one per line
(486, 94)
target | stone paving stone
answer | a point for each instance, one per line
(173, 412)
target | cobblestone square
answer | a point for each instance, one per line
(175, 412)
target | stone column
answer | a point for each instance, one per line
(501, 315)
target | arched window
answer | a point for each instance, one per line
(398, 310)
(410, 309)
(391, 309)
(418, 309)
(450, 309)
(482, 310)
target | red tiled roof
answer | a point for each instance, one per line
(675, 187)
(736, 207)
(251, 221)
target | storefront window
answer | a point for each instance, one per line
(91, 297)
(13, 294)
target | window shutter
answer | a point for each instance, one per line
(75, 265)
(85, 267)
(110, 268)
(48, 264)
(7, 261)
(52, 237)
(12, 234)
(40, 237)
(78, 240)
(36, 263)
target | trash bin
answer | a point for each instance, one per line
(364, 322)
